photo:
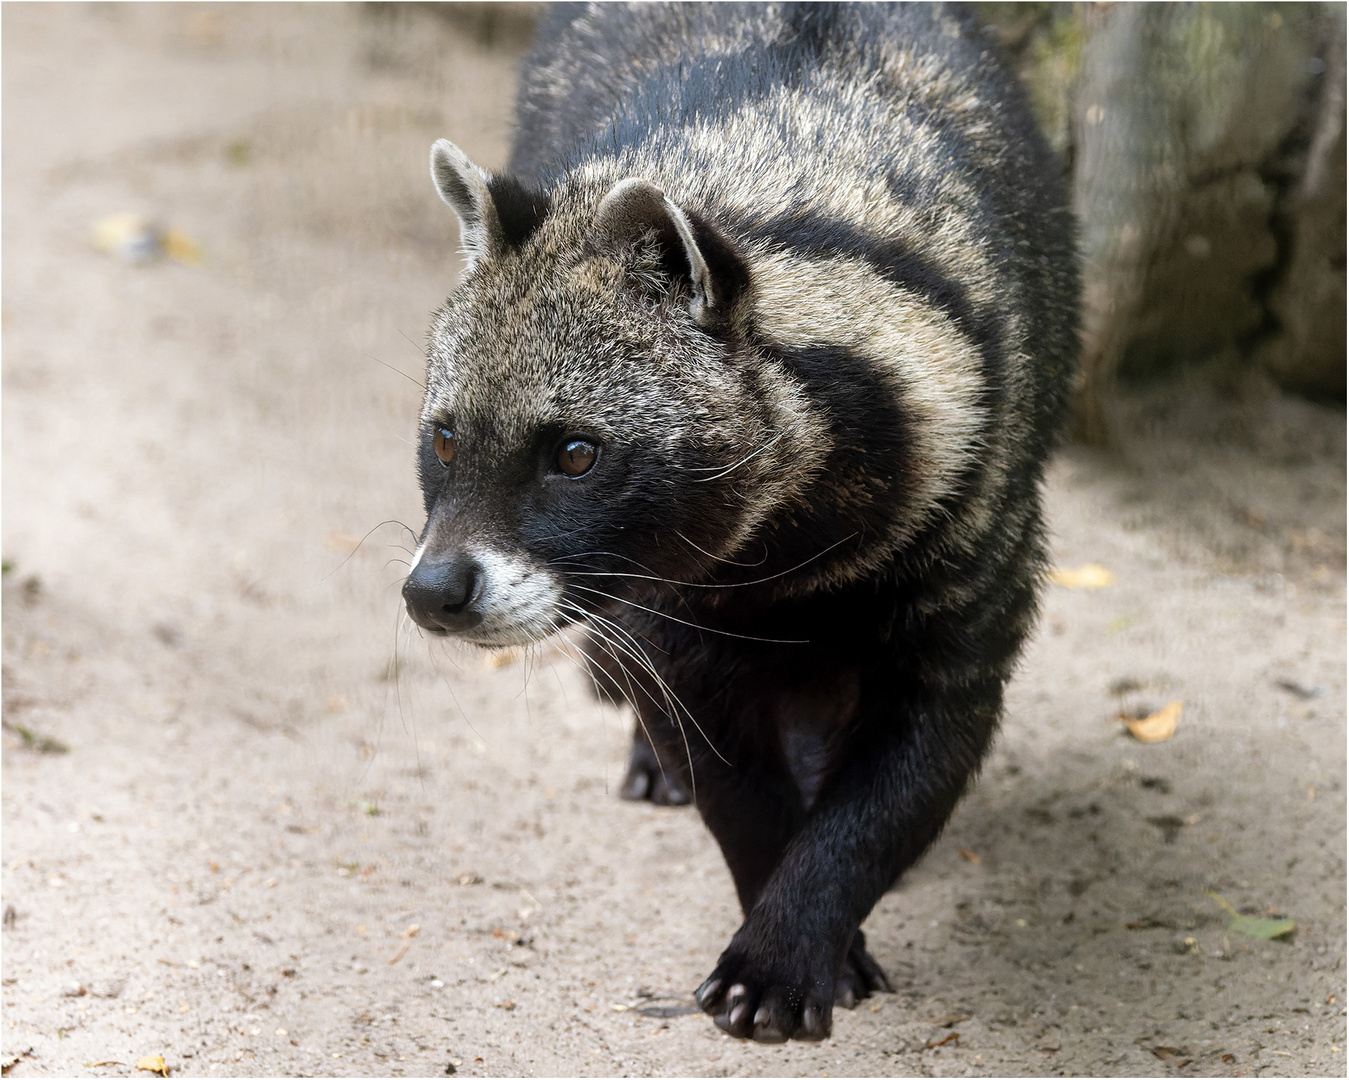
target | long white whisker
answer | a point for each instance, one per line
(743, 461)
(673, 703)
(700, 584)
(588, 668)
(608, 555)
(598, 623)
(448, 686)
(363, 539)
(685, 622)
(719, 558)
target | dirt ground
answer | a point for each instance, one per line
(255, 825)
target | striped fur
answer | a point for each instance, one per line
(803, 276)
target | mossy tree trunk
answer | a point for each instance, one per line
(1206, 146)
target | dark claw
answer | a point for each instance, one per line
(775, 1021)
(668, 792)
(708, 996)
(861, 976)
(736, 1010)
(766, 1028)
(646, 779)
(736, 994)
(815, 1024)
(635, 785)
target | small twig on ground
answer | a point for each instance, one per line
(408, 935)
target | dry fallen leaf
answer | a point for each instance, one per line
(1155, 727)
(1251, 926)
(153, 1063)
(968, 855)
(1090, 576)
(181, 247)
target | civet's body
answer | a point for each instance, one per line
(764, 340)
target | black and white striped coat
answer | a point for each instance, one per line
(764, 339)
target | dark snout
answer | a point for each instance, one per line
(441, 593)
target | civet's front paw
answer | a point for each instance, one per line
(767, 1003)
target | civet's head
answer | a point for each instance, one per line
(593, 418)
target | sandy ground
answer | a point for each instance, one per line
(254, 825)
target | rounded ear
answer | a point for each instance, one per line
(464, 187)
(634, 208)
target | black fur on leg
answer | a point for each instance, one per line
(881, 777)
(648, 779)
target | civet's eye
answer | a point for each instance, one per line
(576, 457)
(444, 445)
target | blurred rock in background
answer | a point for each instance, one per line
(1206, 146)
(505, 26)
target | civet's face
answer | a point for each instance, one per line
(578, 439)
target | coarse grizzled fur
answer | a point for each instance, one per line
(764, 340)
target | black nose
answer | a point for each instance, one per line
(441, 593)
